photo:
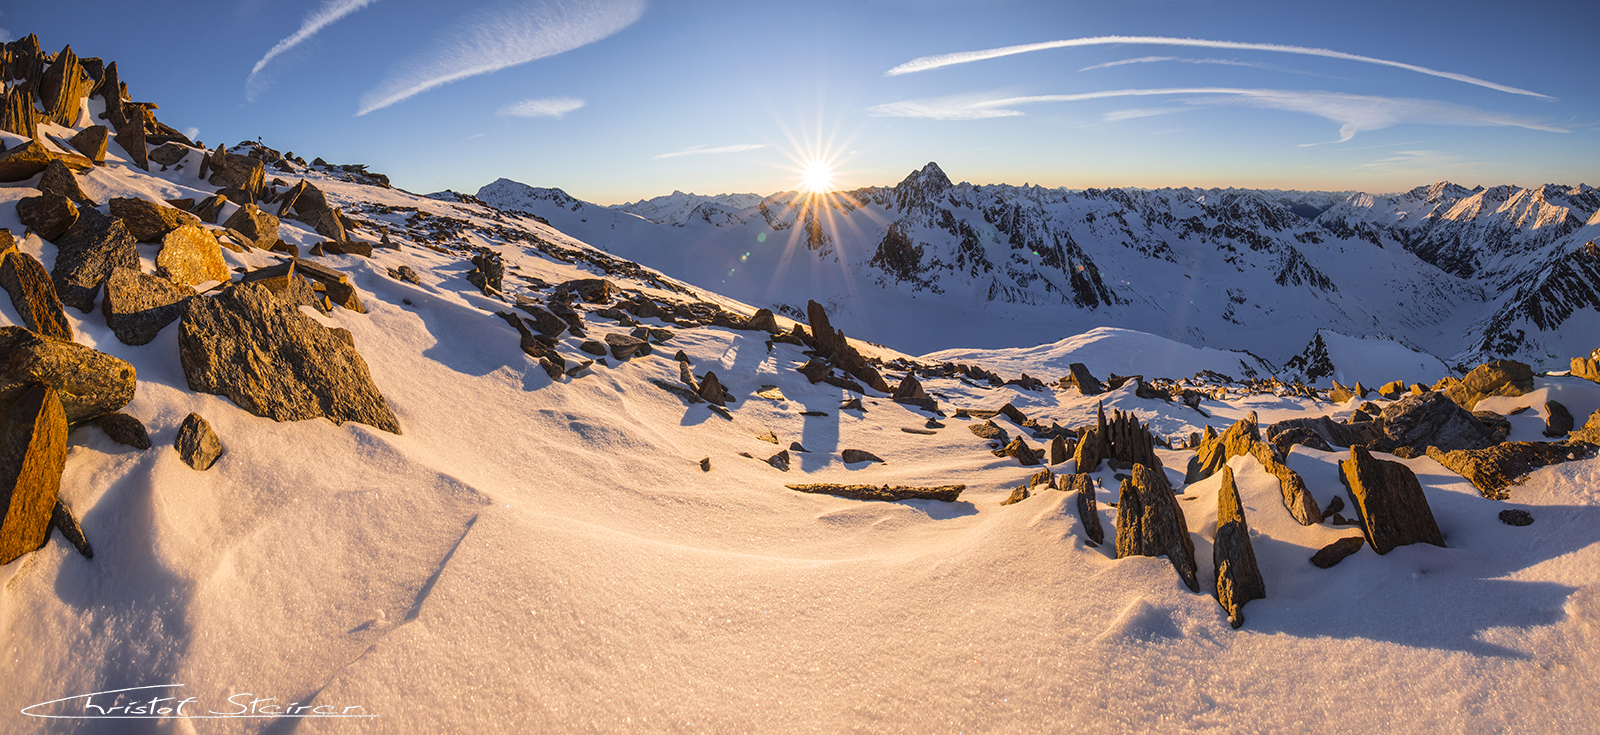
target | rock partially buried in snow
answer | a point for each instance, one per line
(1151, 523)
(273, 361)
(190, 256)
(87, 382)
(1389, 500)
(1495, 470)
(623, 346)
(137, 306)
(33, 293)
(91, 142)
(1336, 552)
(85, 255)
(197, 444)
(1238, 578)
(1560, 420)
(33, 450)
(1496, 378)
(58, 180)
(890, 493)
(260, 227)
(124, 429)
(852, 456)
(1082, 489)
(1432, 420)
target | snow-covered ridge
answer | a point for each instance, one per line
(678, 207)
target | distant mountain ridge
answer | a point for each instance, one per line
(678, 207)
(1464, 273)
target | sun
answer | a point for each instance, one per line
(817, 177)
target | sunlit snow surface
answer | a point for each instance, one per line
(538, 557)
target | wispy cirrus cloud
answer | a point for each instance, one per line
(1175, 59)
(699, 150)
(315, 21)
(926, 63)
(556, 107)
(492, 39)
(1354, 113)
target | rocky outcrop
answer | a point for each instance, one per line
(1497, 378)
(85, 255)
(1238, 579)
(890, 493)
(273, 361)
(1432, 420)
(1082, 489)
(1150, 523)
(197, 443)
(33, 294)
(1389, 502)
(1495, 470)
(831, 344)
(1327, 432)
(33, 450)
(1122, 440)
(1215, 451)
(87, 382)
(138, 306)
(148, 221)
(49, 215)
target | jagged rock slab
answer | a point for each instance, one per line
(17, 113)
(49, 215)
(197, 443)
(169, 153)
(63, 87)
(137, 306)
(1496, 378)
(1151, 523)
(129, 123)
(259, 226)
(24, 161)
(87, 382)
(1079, 377)
(1495, 470)
(148, 221)
(273, 361)
(1082, 489)
(891, 493)
(233, 171)
(1238, 579)
(190, 255)
(57, 179)
(85, 255)
(1389, 501)
(33, 293)
(33, 451)
(1328, 433)
(1302, 506)
(1215, 451)
(91, 142)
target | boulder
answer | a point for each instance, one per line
(138, 306)
(33, 451)
(1082, 489)
(1302, 506)
(190, 255)
(169, 153)
(284, 282)
(1516, 517)
(197, 444)
(1092, 445)
(623, 346)
(1392, 390)
(1215, 451)
(85, 255)
(1327, 432)
(148, 221)
(1498, 426)
(780, 460)
(711, 390)
(1335, 552)
(274, 361)
(1495, 470)
(49, 215)
(852, 456)
(592, 347)
(765, 321)
(260, 227)
(1081, 379)
(17, 112)
(546, 323)
(91, 142)
(1151, 523)
(124, 429)
(1558, 421)
(1432, 420)
(1058, 450)
(1389, 502)
(57, 179)
(990, 431)
(129, 123)
(24, 162)
(1495, 378)
(233, 171)
(363, 249)
(1238, 578)
(1018, 495)
(210, 208)
(1019, 450)
(816, 370)
(87, 382)
(1299, 435)
(33, 293)
(591, 290)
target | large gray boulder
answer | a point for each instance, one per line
(87, 382)
(85, 255)
(137, 306)
(274, 361)
(1433, 420)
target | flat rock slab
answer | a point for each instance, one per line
(87, 382)
(137, 306)
(197, 443)
(1494, 471)
(947, 493)
(85, 255)
(190, 255)
(24, 162)
(33, 451)
(274, 361)
(33, 294)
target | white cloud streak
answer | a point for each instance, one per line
(926, 63)
(493, 39)
(1178, 59)
(702, 150)
(315, 21)
(1353, 113)
(556, 107)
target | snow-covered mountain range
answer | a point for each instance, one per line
(1464, 274)
(677, 207)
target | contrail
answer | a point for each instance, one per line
(934, 62)
(317, 20)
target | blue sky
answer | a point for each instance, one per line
(616, 100)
